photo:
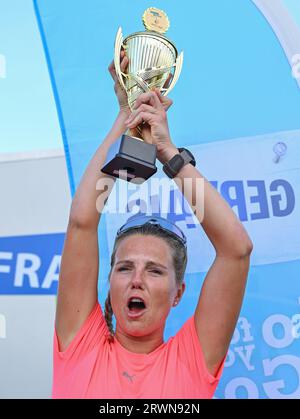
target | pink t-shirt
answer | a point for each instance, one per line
(91, 367)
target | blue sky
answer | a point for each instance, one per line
(28, 119)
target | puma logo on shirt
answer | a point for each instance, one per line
(130, 377)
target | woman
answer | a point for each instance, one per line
(146, 281)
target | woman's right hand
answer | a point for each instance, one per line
(119, 90)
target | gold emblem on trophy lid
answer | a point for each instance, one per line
(156, 20)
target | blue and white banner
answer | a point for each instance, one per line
(258, 176)
(263, 359)
(236, 105)
(30, 264)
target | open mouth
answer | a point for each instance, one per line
(136, 305)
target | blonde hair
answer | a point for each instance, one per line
(179, 261)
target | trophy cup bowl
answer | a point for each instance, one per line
(152, 59)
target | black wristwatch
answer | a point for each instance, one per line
(173, 166)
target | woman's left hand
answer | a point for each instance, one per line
(150, 113)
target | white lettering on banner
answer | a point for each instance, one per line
(272, 388)
(269, 335)
(245, 326)
(29, 271)
(296, 66)
(2, 67)
(244, 352)
(241, 334)
(2, 326)
(53, 272)
(5, 256)
(279, 331)
(241, 382)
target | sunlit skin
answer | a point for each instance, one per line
(224, 285)
(144, 267)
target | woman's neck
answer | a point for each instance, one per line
(139, 344)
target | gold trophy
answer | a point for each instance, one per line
(153, 59)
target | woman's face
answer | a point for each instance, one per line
(143, 269)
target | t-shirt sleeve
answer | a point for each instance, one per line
(72, 368)
(92, 333)
(191, 354)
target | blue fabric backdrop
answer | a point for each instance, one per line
(236, 85)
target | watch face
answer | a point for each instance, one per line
(177, 163)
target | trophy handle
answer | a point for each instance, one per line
(118, 46)
(178, 67)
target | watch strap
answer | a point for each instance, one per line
(173, 166)
(187, 156)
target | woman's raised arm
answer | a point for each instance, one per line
(77, 290)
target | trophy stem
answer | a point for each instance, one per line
(134, 133)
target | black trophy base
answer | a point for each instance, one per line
(135, 161)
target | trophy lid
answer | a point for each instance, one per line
(156, 23)
(156, 20)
